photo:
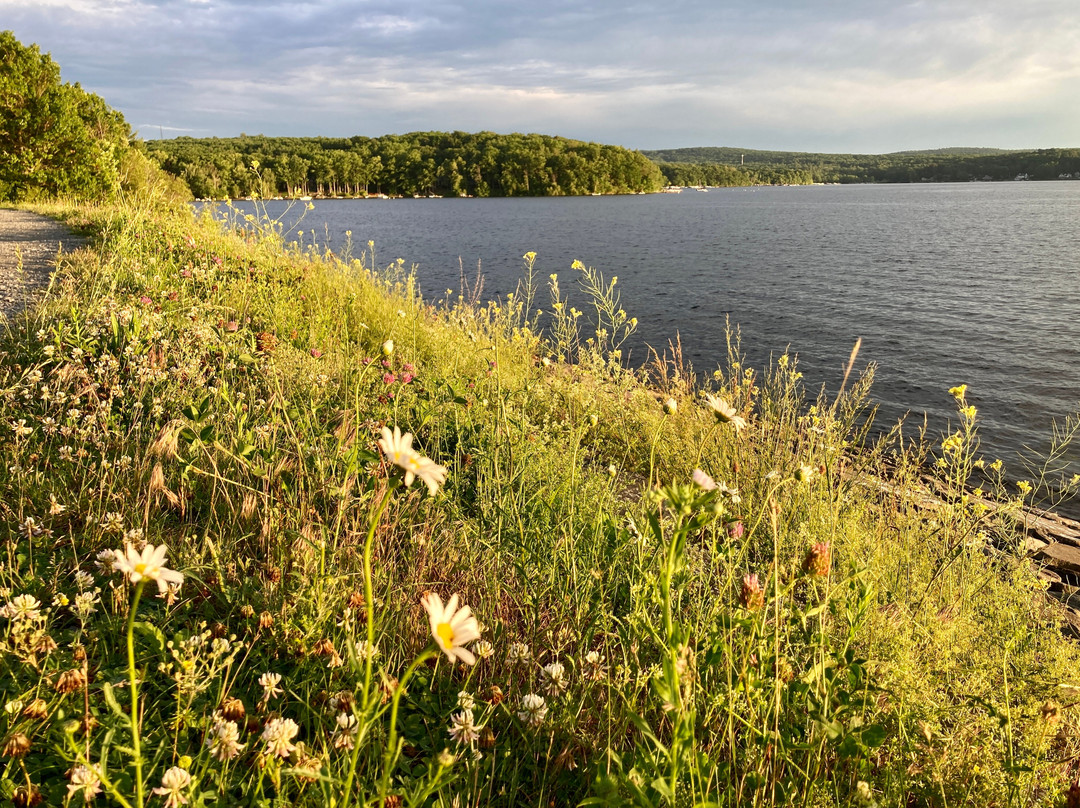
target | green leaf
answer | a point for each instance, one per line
(874, 735)
(152, 631)
(660, 785)
(110, 700)
(849, 747)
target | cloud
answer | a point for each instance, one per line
(859, 75)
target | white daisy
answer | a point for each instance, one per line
(451, 627)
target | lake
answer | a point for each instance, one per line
(975, 283)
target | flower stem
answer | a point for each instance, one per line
(369, 596)
(369, 619)
(390, 755)
(652, 448)
(136, 746)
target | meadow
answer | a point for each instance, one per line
(283, 531)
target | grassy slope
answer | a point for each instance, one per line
(227, 408)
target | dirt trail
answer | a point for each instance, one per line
(29, 244)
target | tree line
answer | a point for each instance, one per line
(748, 166)
(720, 175)
(419, 163)
(56, 139)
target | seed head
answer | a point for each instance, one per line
(26, 797)
(36, 710)
(233, 710)
(70, 681)
(16, 746)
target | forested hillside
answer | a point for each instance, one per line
(419, 163)
(957, 164)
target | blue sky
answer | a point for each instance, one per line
(844, 76)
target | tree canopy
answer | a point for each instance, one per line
(417, 163)
(55, 138)
(957, 164)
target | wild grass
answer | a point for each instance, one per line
(681, 600)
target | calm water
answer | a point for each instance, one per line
(974, 283)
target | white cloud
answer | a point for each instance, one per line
(644, 74)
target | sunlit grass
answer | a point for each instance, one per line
(676, 595)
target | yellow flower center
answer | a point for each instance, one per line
(140, 568)
(446, 634)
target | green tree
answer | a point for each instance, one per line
(55, 138)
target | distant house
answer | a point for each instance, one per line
(1021, 177)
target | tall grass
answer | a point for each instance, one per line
(681, 600)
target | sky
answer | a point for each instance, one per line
(857, 76)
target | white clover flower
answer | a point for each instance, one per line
(22, 608)
(269, 683)
(224, 740)
(173, 783)
(83, 579)
(20, 428)
(344, 736)
(84, 779)
(864, 794)
(278, 735)
(451, 627)
(484, 649)
(463, 728)
(148, 564)
(365, 651)
(518, 653)
(554, 675)
(465, 700)
(533, 710)
(13, 707)
(398, 450)
(112, 522)
(594, 666)
(84, 604)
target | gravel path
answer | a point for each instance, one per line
(28, 249)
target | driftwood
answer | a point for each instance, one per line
(1050, 539)
(1054, 542)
